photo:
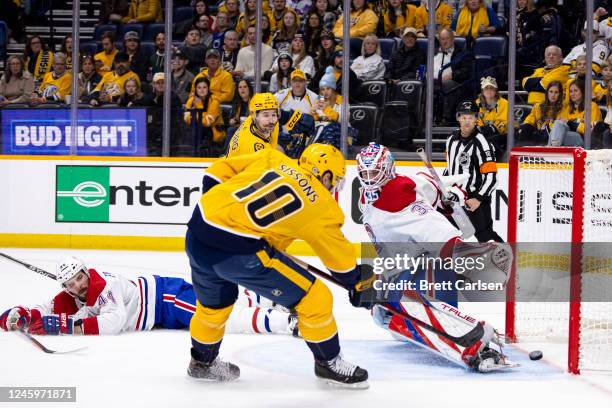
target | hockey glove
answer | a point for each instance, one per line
(53, 324)
(359, 283)
(455, 194)
(15, 319)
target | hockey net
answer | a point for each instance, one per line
(560, 221)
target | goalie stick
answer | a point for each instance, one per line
(459, 216)
(466, 340)
(29, 266)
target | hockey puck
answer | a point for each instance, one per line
(536, 355)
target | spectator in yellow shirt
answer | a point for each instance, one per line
(493, 119)
(597, 90)
(144, 11)
(537, 83)
(444, 16)
(279, 8)
(56, 85)
(398, 16)
(247, 18)
(475, 19)
(363, 21)
(221, 83)
(537, 125)
(203, 109)
(113, 83)
(104, 59)
(569, 129)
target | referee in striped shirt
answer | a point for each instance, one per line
(468, 151)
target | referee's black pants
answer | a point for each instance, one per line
(483, 222)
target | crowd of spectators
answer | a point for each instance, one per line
(213, 66)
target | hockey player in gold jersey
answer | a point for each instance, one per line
(259, 130)
(252, 207)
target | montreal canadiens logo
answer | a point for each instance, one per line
(419, 209)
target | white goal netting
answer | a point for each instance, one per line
(544, 255)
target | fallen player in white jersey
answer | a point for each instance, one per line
(400, 214)
(93, 303)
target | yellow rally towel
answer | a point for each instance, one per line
(465, 19)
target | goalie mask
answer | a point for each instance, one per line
(68, 268)
(375, 166)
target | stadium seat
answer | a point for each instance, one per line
(495, 47)
(374, 92)
(119, 45)
(90, 48)
(411, 92)
(521, 112)
(124, 28)
(355, 48)
(181, 14)
(151, 30)
(398, 123)
(460, 43)
(604, 110)
(3, 40)
(148, 48)
(387, 46)
(364, 118)
(101, 29)
(422, 44)
(226, 108)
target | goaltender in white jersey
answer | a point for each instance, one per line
(93, 303)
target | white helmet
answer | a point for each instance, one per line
(375, 166)
(68, 268)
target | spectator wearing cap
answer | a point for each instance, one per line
(405, 61)
(220, 81)
(104, 59)
(329, 108)
(280, 79)
(363, 21)
(475, 19)
(554, 70)
(493, 118)
(276, 15)
(156, 61)
(144, 11)
(301, 60)
(154, 131)
(229, 51)
(398, 16)
(138, 60)
(369, 66)
(443, 18)
(337, 65)
(181, 78)
(112, 84)
(325, 50)
(203, 113)
(452, 68)
(286, 30)
(245, 64)
(298, 97)
(194, 50)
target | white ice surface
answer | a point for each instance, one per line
(149, 369)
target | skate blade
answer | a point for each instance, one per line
(211, 380)
(327, 383)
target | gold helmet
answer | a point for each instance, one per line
(319, 158)
(262, 101)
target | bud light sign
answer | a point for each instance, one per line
(99, 132)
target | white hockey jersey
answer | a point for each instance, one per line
(404, 211)
(600, 54)
(114, 304)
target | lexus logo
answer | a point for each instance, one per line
(374, 89)
(519, 113)
(359, 114)
(407, 88)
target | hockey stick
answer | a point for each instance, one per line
(29, 266)
(466, 340)
(459, 216)
(45, 349)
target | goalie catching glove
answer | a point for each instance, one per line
(360, 284)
